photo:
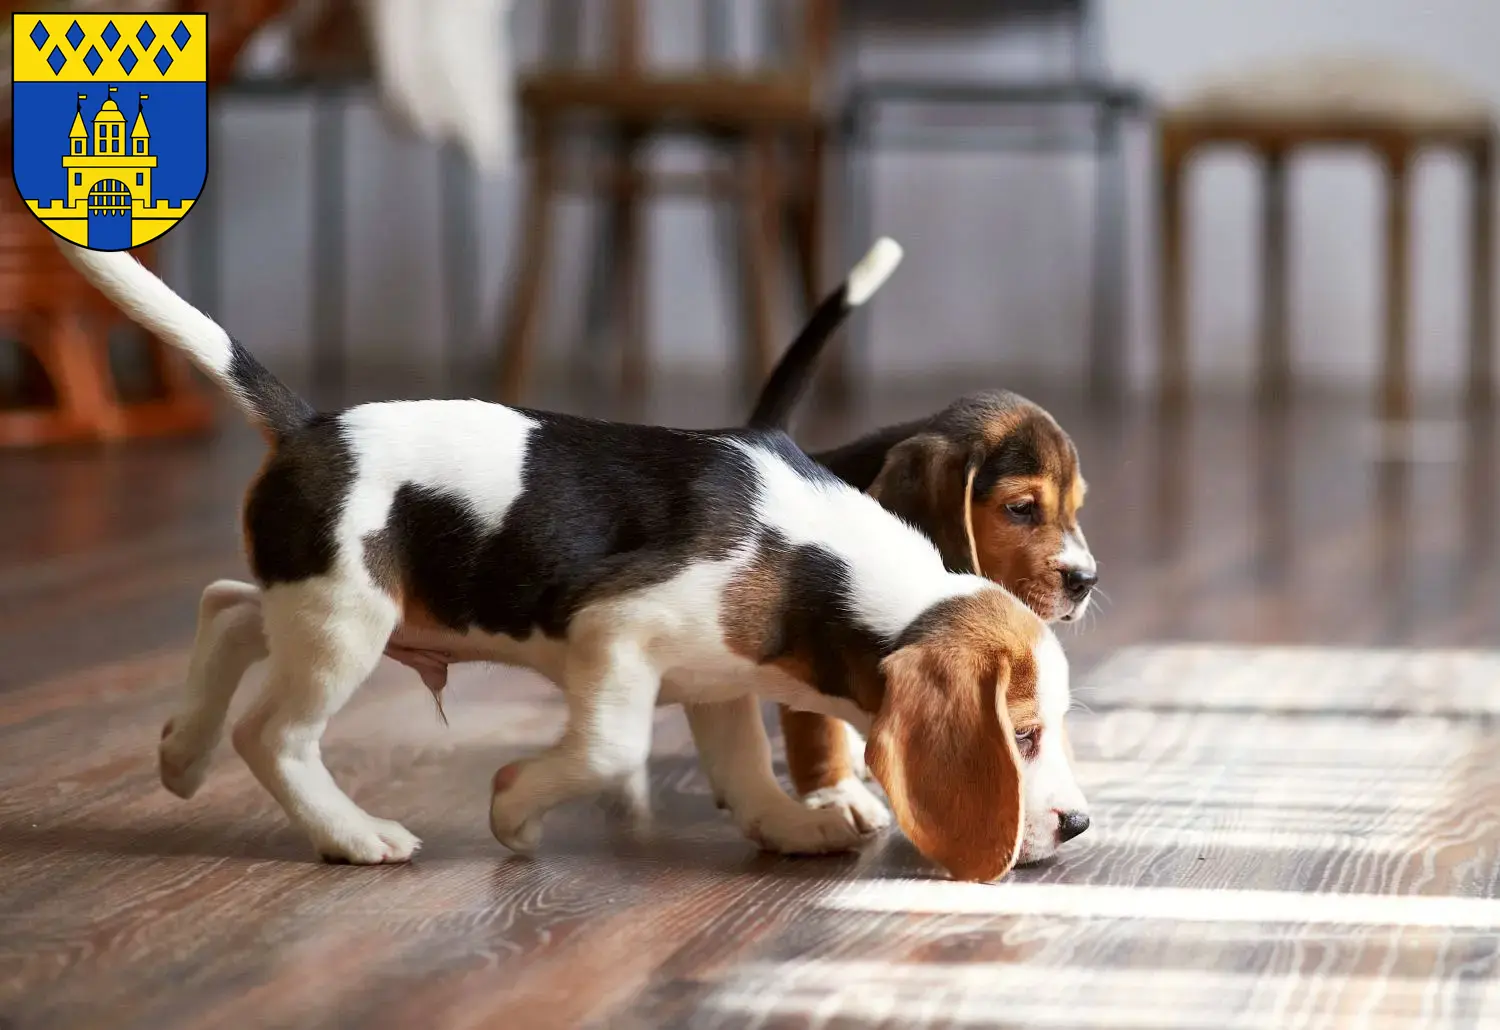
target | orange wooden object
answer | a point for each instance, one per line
(62, 324)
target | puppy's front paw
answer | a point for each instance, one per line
(790, 828)
(369, 841)
(182, 759)
(855, 801)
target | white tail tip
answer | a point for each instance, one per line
(872, 271)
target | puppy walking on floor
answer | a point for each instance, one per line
(632, 566)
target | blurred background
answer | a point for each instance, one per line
(1012, 148)
(1000, 240)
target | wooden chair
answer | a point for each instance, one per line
(1391, 109)
(66, 391)
(979, 112)
(750, 116)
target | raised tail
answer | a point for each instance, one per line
(789, 379)
(267, 402)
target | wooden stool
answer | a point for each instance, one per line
(1390, 108)
(747, 115)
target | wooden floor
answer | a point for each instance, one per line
(1283, 835)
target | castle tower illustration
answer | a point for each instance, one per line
(110, 120)
(108, 169)
(106, 160)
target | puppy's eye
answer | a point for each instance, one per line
(1021, 511)
(1027, 742)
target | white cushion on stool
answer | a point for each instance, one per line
(1341, 87)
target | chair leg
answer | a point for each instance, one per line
(832, 384)
(857, 154)
(1482, 280)
(806, 220)
(460, 256)
(518, 340)
(1174, 375)
(1108, 332)
(78, 362)
(764, 207)
(1395, 394)
(1275, 354)
(728, 217)
(630, 279)
(329, 247)
(598, 296)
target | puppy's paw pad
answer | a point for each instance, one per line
(400, 843)
(523, 836)
(512, 821)
(794, 830)
(182, 762)
(855, 801)
(376, 842)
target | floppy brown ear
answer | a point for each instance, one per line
(944, 749)
(927, 480)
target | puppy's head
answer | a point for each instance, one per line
(968, 741)
(995, 482)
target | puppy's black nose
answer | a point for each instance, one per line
(1078, 582)
(1070, 825)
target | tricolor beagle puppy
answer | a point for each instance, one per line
(994, 481)
(632, 566)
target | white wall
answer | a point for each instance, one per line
(997, 275)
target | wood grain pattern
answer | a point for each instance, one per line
(1292, 826)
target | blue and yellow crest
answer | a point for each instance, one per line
(110, 122)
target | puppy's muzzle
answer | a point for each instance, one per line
(1079, 583)
(1070, 825)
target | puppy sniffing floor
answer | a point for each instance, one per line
(995, 482)
(631, 565)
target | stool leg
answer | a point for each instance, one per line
(762, 225)
(807, 229)
(78, 363)
(832, 386)
(1108, 331)
(329, 247)
(630, 280)
(1395, 394)
(1172, 285)
(598, 293)
(460, 256)
(1275, 351)
(1482, 280)
(529, 263)
(857, 152)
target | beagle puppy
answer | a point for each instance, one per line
(994, 481)
(632, 566)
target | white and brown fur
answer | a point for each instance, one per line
(995, 482)
(631, 565)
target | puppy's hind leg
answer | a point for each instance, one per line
(228, 641)
(611, 691)
(325, 637)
